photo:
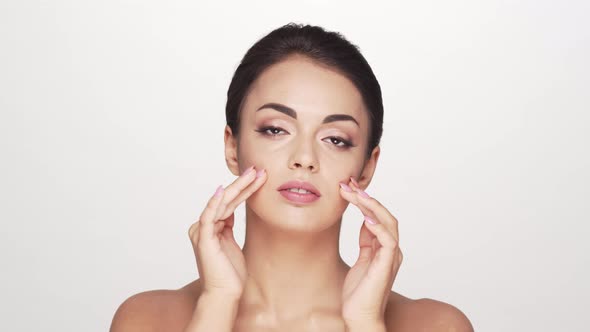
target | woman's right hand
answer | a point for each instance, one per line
(220, 260)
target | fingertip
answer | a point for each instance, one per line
(345, 187)
(370, 221)
(247, 170)
(260, 173)
(348, 196)
(261, 177)
(361, 193)
(219, 191)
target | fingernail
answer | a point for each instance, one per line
(354, 181)
(370, 221)
(345, 187)
(218, 191)
(362, 193)
(260, 173)
(248, 170)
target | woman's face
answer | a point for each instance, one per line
(316, 132)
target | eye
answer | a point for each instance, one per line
(340, 142)
(270, 131)
(276, 131)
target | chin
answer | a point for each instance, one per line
(271, 207)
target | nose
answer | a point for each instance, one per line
(304, 156)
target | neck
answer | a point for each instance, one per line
(291, 274)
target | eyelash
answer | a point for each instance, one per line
(347, 144)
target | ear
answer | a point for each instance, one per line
(231, 151)
(370, 165)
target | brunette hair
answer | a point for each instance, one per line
(325, 47)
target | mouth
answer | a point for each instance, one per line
(299, 192)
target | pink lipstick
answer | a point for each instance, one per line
(299, 192)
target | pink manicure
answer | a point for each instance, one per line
(218, 191)
(248, 170)
(371, 221)
(362, 193)
(345, 187)
(354, 181)
(260, 173)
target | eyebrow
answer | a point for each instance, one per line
(291, 112)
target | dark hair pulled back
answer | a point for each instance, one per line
(324, 47)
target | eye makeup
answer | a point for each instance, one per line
(273, 131)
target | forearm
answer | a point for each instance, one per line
(213, 313)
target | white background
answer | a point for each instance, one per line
(111, 137)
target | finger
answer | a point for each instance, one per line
(354, 183)
(228, 207)
(229, 222)
(348, 193)
(385, 254)
(212, 203)
(378, 210)
(193, 228)
(366, 238)
(365, 244)
(227, 236)
(229, 242)
(193, 233)
(207, 219)
(398, 257)
(239, 184)
(218, 227)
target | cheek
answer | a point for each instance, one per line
(342, 168)
(339, 173)
(250, 154)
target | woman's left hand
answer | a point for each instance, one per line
(368, 283)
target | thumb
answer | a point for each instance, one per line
(229, 221)
(228, 233)
(365, 245)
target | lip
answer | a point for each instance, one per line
(297, 197)
(300, 185)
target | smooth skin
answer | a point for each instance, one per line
(289, 276)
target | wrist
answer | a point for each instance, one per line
(221, 305)
(219, 299)
(369, 326)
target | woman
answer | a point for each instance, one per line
(304, 120)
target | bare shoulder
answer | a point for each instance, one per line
(155, 310)
(405, 314)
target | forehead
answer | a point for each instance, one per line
(313, 90)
